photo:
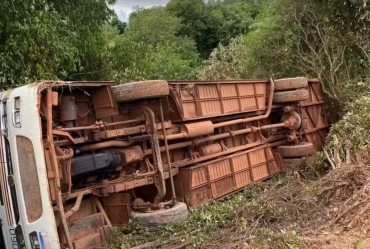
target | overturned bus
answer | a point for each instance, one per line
(79, 158)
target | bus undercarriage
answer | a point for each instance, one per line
(146, 148)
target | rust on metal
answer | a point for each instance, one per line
(199, 129)
(117, 207)
(103, 145)
(258, 117)
(104, 102)
(55, 99)
(167, 153)
(67, 108)
(76, 206)
(209, 149)
(156, 152)
(65, 233)
(292, 121)
(141, 129)
(211, 99)
(203, 140)
(131, 154)
(314, 117)
(224, 176)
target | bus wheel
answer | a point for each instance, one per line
(160, 218)
(297, 162)
(290, 96)
(141, 90)
(298, 150)
(291, 83)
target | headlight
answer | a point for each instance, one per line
(17, 112)
(17, 118)
(35, 243)
(17, 103)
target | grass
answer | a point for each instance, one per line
(209, 220)
(208, 217)
(280, 213)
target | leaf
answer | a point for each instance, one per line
(243, 223)
(360, 242)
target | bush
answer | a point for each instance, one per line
(353, 129)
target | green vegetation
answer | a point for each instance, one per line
(215, 39)
(47, 39)
(281, 213)
(322, 39)
(211, 220)
(351, 133)
(150, 49)
(187, 39)
(203, 220)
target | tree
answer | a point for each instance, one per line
(213, 22)
(235, 18)
(227, 62)
(191, 14)
(121, 26)
(85, 18)
(311, 39)
(48, 38)
(198, 23)
(153, 26)
(324, 46)
(264, 51)
(150, 48)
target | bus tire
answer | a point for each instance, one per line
(293, 162)
(160, 218)
(141, 90)
(290, 96)
(298, 150)
(297, 162)
(291, 83)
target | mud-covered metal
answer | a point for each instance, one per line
(223, 176)
(203, 140)
(291, 83)
(199, 129)
(132, 154)
(67, 110)
(198, 99)
(210, 149)
(291, 96)
(167, 154)
(315, 122)
(141, 90)
(159, 177)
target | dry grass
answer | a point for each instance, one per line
(296, 209)
(293, 206)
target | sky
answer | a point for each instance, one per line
(123, 8)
